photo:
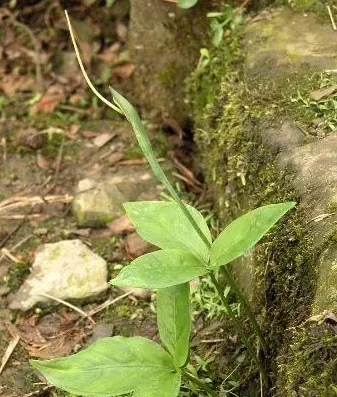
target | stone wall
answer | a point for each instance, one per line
(265, 137)
(164, 44)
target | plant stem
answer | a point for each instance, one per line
(246, 306)
(239, 329)
(200, 384)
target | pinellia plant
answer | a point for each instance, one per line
(118, 365)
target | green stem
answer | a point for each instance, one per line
(200, 384)
(145, 144)
(242, 299)
(125, 107)
(239, 329)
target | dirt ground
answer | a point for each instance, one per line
(52, 134)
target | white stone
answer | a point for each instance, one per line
(66, 270)
(97, 203)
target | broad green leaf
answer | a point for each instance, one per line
(160, 269)
(187, 3)
(174, 320)
(243, 233)
(145, 144)
(115, 366)
(164, 225)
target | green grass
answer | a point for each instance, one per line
(322, 114)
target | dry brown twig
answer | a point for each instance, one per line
(4, 148)
(78, 310)
(108, 303)
(24, 201)
(16, 246)
(333, 23)
(11, 346)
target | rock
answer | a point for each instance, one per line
(31, 138)
(288, 41)
(292, 274)
(121, 226)
(101, 331)
(96, 204)
(135, 246)
(67, 270)
(156, 25)
(99, 199)
(134, 182)
(140, 293)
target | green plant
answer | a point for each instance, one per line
(187, 3)
(322, 111)
(205, 298)
(228, 18)
(119, 365)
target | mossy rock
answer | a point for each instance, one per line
(257, 147)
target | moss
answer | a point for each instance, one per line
(16, 275)
(106, 248)
(314, 367)
(316, 6)
(167, 76)
(230, 109)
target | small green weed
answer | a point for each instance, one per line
(322, 113)
(205, 299)
(228, 19)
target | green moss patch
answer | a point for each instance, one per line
(313, 369)
(230, 108)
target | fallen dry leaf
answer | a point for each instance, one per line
(11, 347)
(121, 226)
(88, 134)
(122, 31)
(75, 99)
(110, 54)
(55, 335)
(103, 139)
(42, 162)
(73, 130)
(61, 346)
(123, 72)
(12, 83)
(48, 102)
(322, 93)
(135, 246)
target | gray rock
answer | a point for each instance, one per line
(100, 331)
(66, 270)
(99, 198)
(97, 203)
(288, 41)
